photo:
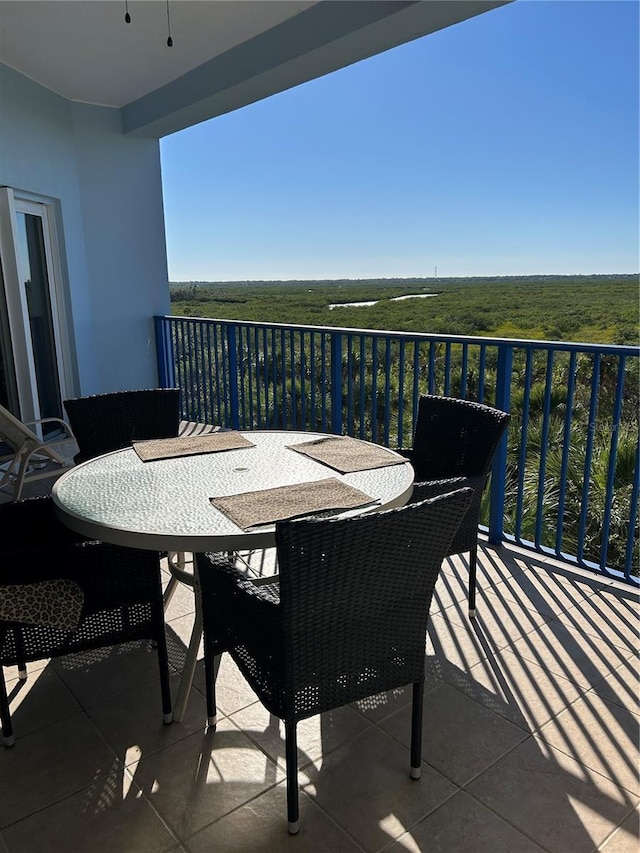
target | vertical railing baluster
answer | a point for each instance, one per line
(447, 369)
(499, 467)
(586, 478)
(544, 448)
(633, 515)
(363, 385)
(374, 389)
(613, 452)
(232, 354)
(336, 383)
(566, 449)
(387, 392)
(323, 380)
(464, 369)
(350, 412)
(482, 366)
(401, 357)
(524, 440)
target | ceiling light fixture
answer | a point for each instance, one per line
(127, 18)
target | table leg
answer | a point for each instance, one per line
(189, 669)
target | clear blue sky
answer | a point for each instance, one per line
(505, 145)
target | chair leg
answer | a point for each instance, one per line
(416, 729)
(291, 750)
(165, 687)
(473, 559)
(210, 681)
(5, 714)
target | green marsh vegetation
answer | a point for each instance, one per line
(586, 309)
(589, 309)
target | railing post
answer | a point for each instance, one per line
(164, 353)
(336, 383)
(499, 467)
(234, 408)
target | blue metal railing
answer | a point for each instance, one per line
(565, 480)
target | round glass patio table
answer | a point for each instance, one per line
(164, 504)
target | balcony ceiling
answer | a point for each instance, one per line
(226, 53)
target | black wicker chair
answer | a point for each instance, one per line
(118, 592)
(346, 619)
(105, 422)
(453, 446)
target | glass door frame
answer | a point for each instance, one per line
(13, 203)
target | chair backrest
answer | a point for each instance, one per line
(13, 432)
(105, 422)
(455, 438)
(355, 596)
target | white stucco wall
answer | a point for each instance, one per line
(109, 193)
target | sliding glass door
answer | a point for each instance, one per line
(32, 381)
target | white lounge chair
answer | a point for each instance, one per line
(31, 457)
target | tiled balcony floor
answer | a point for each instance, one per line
(530, 739)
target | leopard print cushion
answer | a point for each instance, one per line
(54, 604)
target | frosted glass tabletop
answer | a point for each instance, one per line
(164, 504)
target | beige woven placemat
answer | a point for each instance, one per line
(168, 448)
(346, 454)
(267, 506)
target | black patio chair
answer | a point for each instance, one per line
(346, 619)
(453, 446)
(62, 593)
(105, 422)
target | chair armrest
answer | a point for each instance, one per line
(62, 423)
(433, 488)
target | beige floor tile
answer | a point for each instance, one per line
(571, 654)
(460, 737)
(39, 701)
(232, 689)
(50, 764)
(133, 727)
(204, 776)
(626, 837)
(549, 592)
(452, 650)
(601, 736)
(261, 827)
(522, 692)
(109, 816)
(365, 786)
(450, 589)
(182, 603)
(622, 686)
(100, 674)
(463, 824)
(499, 622)
(612, 615)
(316, 737)
(11, 672)
(548, 796)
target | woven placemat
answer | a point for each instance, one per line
(168, 448)
(346, 454)
(252, 509)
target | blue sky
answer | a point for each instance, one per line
(505, 145)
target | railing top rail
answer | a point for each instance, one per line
(522, 343)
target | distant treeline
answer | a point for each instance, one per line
(595, 309)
